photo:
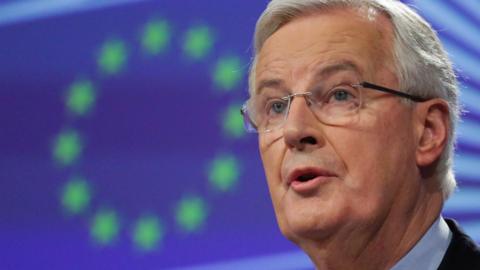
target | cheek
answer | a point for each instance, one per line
(376, 159)
(272, 154)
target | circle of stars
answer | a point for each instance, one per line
(191, 211)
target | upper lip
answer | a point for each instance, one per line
(296, 173)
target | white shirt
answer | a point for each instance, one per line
(428, 253)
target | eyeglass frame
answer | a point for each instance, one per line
(364, 84)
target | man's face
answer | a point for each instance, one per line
(325, 179)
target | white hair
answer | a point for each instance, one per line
(422, 65)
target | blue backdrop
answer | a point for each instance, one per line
(121, 145)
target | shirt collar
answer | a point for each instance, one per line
(428, 253)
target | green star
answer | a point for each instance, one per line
(113, 57)
(156, 37)
(67, 148)
(224, 172)
(198, 42)
(81, 97)
(191, 213)
(104, 228)
(147, 233)
(228, 73)
(233, 124)
(76, 196)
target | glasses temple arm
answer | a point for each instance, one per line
(391, 91)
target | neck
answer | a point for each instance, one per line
(378, 245)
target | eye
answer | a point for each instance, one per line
(276, 107)
(341, 95)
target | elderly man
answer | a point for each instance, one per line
(355, 104)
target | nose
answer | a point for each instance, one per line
(301, 129)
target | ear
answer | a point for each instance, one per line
(433, 126)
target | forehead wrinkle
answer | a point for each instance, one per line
(270, 73)
(378, 38)
(275, 67)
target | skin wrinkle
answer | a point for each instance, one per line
(383, 35)
(320, 71)
(275, 66)
(351, 216)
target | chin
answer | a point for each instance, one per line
(310, 223)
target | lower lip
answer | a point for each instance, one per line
(309, 186)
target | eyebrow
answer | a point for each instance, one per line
(329, 70)
(269, 83)
(337, 67)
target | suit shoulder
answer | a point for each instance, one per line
(462, 253)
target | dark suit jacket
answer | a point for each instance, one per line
(462, 253)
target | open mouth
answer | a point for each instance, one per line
(306, 177)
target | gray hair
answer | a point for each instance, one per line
(422, 65)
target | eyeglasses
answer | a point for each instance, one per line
(338, 106)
